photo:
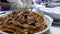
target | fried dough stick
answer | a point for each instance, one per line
(22, 21)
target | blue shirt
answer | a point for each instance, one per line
(38, 1)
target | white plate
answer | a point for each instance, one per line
(53, 12)
(48, 19)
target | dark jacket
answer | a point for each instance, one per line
(4, 1)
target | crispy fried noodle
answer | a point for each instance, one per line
(22, 21)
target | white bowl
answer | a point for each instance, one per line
(48, 19)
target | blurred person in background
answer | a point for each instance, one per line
(5, 5)
(37, 1)
(15, 4)
(40, 3)
(0, 6)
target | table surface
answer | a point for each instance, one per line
(55, 29)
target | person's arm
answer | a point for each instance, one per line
(11, 0)
(7, 5)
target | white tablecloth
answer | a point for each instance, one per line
(53, 30)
